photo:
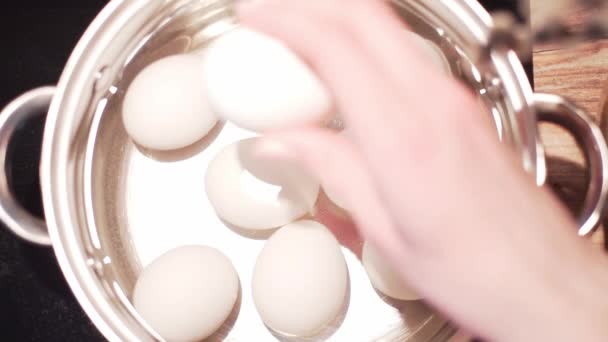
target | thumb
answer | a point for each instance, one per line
(340, 168)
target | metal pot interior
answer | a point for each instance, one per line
(113, 207)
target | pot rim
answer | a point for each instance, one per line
(79, 268)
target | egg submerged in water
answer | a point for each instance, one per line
(257, 83)
(253, 193)
(186, 294)
(300, 279)
(165, 107)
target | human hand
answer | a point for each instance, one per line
(426, 179)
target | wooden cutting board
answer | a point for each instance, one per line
(580, 73)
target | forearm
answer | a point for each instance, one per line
(575, 305)
(519, 275)
(559, 294)
(562, 302)
(568, 290)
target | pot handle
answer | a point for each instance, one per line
(555, 109)
(14, 216)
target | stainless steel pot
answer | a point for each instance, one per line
(99, 190)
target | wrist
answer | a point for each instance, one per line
(575, 305)
(589, 301)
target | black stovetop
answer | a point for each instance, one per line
(36, 38)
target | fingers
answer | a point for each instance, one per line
(333, 159)
(399, 111)
(373, 30)
(381, 34)
(364, 95)
(340, 224)
(405, 138)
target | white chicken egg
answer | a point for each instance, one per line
(165, 107)
(383, 276)
(257, 83)
(300, 279)
(187, 293)
(254, 193)
(433, 52)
